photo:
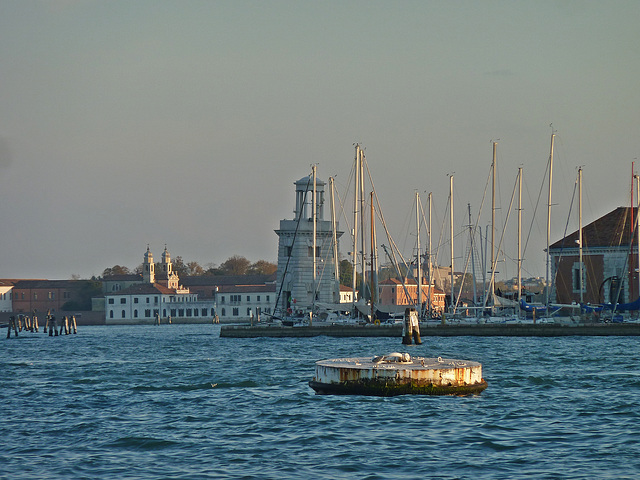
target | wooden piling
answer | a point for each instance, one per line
(411, 327)
(75, 325)
(12, 324)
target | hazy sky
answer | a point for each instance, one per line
(186, 123)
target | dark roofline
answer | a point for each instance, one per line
(611, 230)
(26, 284)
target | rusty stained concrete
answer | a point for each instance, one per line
(419, 371)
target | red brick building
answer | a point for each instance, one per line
(392, 292)
(607, 261)
(45, 295)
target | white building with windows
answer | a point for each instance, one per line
(157, 296)
(5, 295)
(242, 303)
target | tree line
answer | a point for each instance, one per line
(235, 265)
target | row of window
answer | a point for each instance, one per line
(238, 298)
(179, 312)
(49, 295)
(123, 300)
(235, 311)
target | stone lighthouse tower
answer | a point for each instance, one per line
(295, 252)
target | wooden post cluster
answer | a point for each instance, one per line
(20, 322)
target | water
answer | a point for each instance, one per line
(178, 402)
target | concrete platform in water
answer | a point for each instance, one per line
(397, 374)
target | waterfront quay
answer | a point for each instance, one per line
(482, 330)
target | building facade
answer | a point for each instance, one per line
(159, 297)
(42, 296)
(609, 261)
(394, 292)
(300, 288)
(6, 287)
(238, 298)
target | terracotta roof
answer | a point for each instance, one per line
(611, 230)
(144, 289)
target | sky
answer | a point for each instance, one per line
(186, 123)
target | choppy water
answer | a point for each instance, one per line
(178, 402)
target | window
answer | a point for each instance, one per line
(258, 298)
(248, 312)
(267, 298)
(236, 312)
(123, 300)
(135, 314)
(111, 301)
(224, 312)
(203, 312)
(578, 283)
(248, 298)
(135, 300)
(123, 314)
(288, 252)
(147, 313)
(188, 312)
(222, 299)
(111, 314)
(181, 312)
(310, 253)
(148, 301)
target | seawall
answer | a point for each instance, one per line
(486, 330)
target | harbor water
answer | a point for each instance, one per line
(179, 402)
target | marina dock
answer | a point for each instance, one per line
(481, 330)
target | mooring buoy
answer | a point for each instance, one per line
(397, 374)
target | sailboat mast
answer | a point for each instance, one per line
(493, 214)
(334, 227)
(637, 178)
(363, 267)
(580, 266)
(373, 262)
(418, 259)
(315, 226)
(473, 263)
(453, 310)
(519, 237)
(547, 285)
(354, 253)
(430, 264)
